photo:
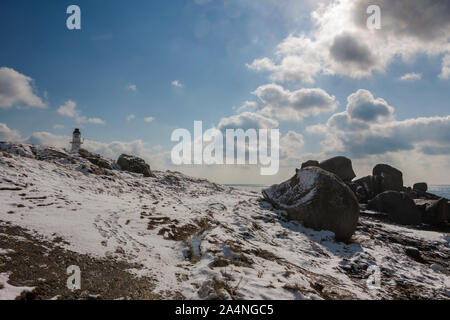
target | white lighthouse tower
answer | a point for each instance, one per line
(76, 140)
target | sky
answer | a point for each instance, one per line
(136, 71)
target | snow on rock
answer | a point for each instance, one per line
(5, 251)
(319, 200)
(202, 240)
(9, 292)
(292, 195)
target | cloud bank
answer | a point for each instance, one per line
(294, 105)
(16, 90)
(368, 127)
(341, 44)
(7, 134)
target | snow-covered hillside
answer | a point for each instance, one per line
(179, 237)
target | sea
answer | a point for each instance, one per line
(442, 190)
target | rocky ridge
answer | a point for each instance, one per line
(173, 236)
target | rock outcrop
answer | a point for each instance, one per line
(384, 178)
(95, 159)
(399, 207)
(365, 188)
(434, 212)
(50, 153)
(134, 164)
(340, 166)
(420, 187)
(319, 200)
(310, 163)
(388, 178)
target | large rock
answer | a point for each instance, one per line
(436, 212)
(388, 178)
(96, 159)
(448, 211)
(366, 188)
(319, 200)
(134, 164)
(340, 166)
(420, 187)
(399, 207)
(422, 204)
(310, 163)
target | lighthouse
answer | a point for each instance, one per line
(76, 140)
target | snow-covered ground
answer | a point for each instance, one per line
(9, 292)
(202, 240)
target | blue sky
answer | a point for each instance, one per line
(148, 44)
(126, 57)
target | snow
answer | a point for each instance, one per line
(302, 192)
(128, 217)
(5, 251)
(9, 292)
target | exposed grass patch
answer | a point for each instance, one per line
(157, 221)
(224, 285)
(34, 259)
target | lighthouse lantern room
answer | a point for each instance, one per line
(76, 140)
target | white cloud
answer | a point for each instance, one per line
(130, 117)
(69, 109)
(132, 87)
(411, 76)
(247, 106)
(247, 120)
(290, 148)
(158, 148)
(445, 74)
(149, 119)
(290, 69)
(292, 140)
(340, 42)
(16, 90)
(364, 107)
(7, 134)
(96, 121)
(177, 83)
(58, 126)
(294, 105)
(49, 139)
